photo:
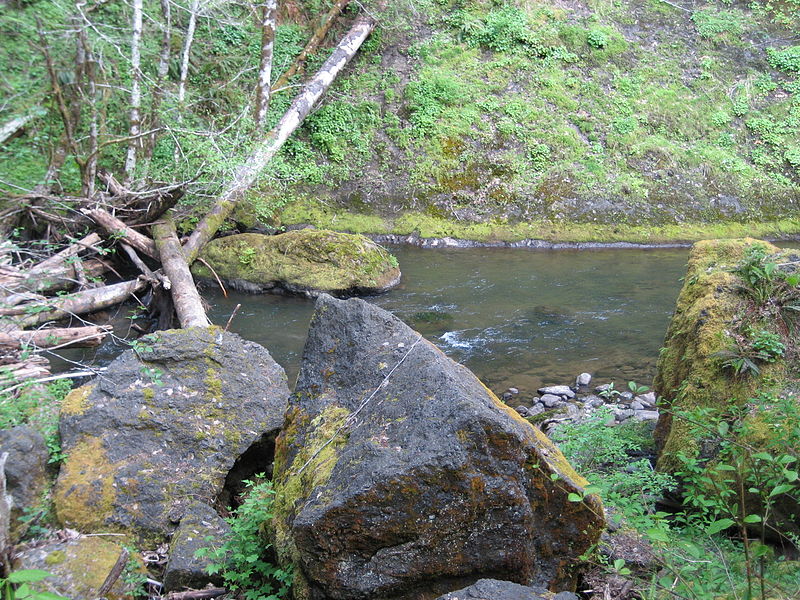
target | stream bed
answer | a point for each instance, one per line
(517, 318)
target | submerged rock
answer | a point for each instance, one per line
(398, 471)
(162, 427)
(492, 589)
(308, 261)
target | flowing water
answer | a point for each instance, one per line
(521, 318)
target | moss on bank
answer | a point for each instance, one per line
(427, 226)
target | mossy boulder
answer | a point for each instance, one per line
(306, 262)
(398, 472)
(162, 427)
(26, 471)
(80, 566)
(714, 312)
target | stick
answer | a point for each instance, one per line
(197, 594)
(114, 574)
(233, 314)
(48, 338)
(116, 227)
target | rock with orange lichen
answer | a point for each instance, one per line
(398, 472)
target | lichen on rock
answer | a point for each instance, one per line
(305, 262)
(398, 471)
(152, 435)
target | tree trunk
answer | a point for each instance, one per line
(69, 337)
(248, 172)
(185, 52)
(82, 302)
(13, 127)
(312, 45)
(187, 300)
(268, 15)
(136, 91)
(117, 228)
(161, 76)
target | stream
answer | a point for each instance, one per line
(521, 318)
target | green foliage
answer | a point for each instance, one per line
(597, 38)
(715, 24)
(244, 558)
(787, 60)
(428, 96)
(504, 30)
(17, 586)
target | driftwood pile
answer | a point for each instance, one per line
(63, 287)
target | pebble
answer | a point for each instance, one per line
(558, 390)
(594, 401)
(537, 409)
(513, 391)
(626, 396)
(648, 399)
(637, 405)
(522, 410)
(622, 414)
(583, 380)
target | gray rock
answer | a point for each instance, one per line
(566, 596)
(536, 409)
(637, 405)
(572, 410)
(550, 400)
(594, 401)
(430, 488)
(184, 569)
(647, 415)
(513, 391)
(163, 428)
(583, 380)
(626, 396)
(558, 390)
(602, 388)
(26, 469)
(522, 410)
(492, 589)
(648, 399)
(622, 414)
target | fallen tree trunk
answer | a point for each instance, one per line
(81, 303)
(116, 227)
(70, 337)
(312, 45)
(185, 296)
(13, 127)
(248, 172)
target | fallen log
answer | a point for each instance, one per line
(30, 368)
(13, 127)
(68, 337)
(248, 172)
(185, 296)
(116, 227)
(197, 594)
(80, 303)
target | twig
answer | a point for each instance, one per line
(233, 314)
(219, 281)
(114, 574)
(197, 594)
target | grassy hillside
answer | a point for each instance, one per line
(473, 117)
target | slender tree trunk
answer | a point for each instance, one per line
(91, 75)
(185, 296)
(161, 76)
(185, 53)
(136, 91)
(72, 337)
(117, 228)
(312, 45)
(268, 14)
(248, 172)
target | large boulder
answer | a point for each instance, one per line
(725, 313)
(26, 470)
(162, 427)
(492, 589)
(398, 472)
(307, 262)
(79, 567)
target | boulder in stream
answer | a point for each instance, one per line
(163, 427)
(398, 472)
(307, 261)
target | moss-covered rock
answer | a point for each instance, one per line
(306, 262)
(713, 317)
(26, 471)
(398, 472)
(80, 566)
(162, 428)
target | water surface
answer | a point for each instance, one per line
(522, 318)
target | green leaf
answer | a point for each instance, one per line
(724, 467)
(781, 489)
(752, 519)
(763, 456)
(718, 526)
(573, 497)
(658, 535)
(28, 576)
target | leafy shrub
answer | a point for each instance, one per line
(711, 23)
(243, 559)
(504, 30)
(430, 95)
(597, 38)
(787, 59)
